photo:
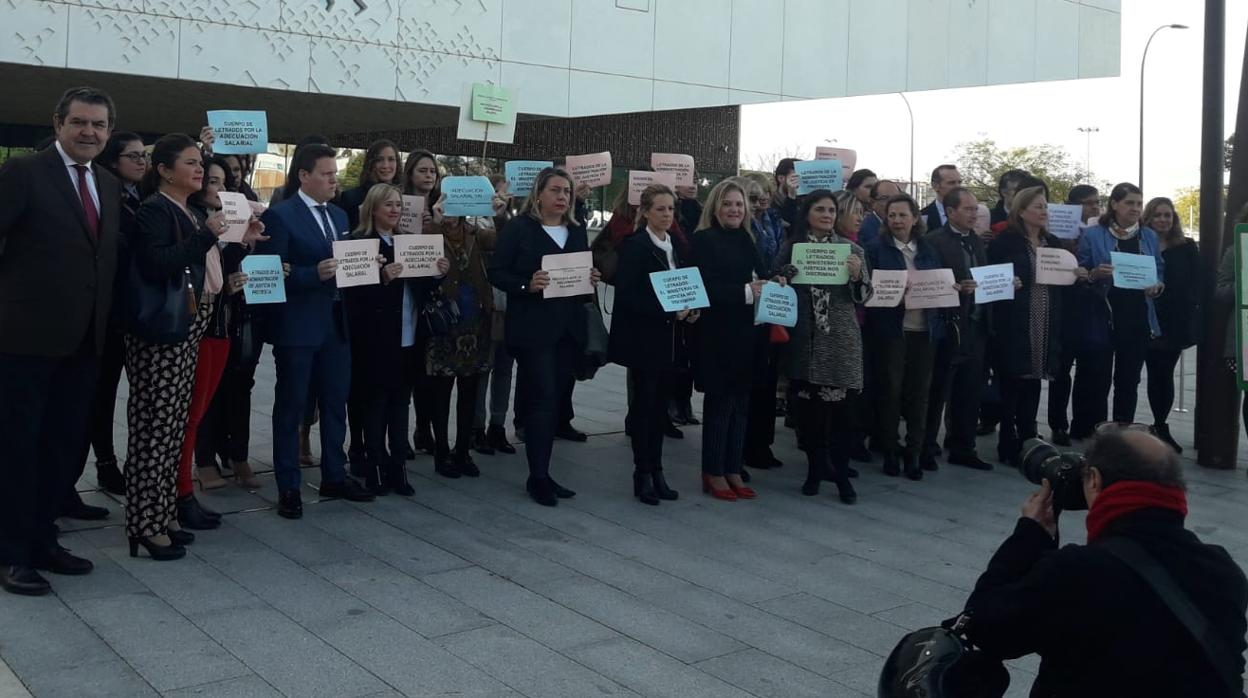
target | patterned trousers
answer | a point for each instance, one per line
(162, 378)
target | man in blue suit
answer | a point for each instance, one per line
(309, 332)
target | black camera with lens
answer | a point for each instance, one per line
(1063, 469)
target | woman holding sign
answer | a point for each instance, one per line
(823, 358)
(1025, 345)
(1126, 270)
(383, 345)
(902, 342)
(420, 178)
(644, 337)
(547, 335)
(175, 263)
(1178, 311)
(381, 166)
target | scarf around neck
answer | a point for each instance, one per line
(1129, 496)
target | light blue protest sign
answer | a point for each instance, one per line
(679, 289)
(776, 305)
(818, 174)
(1137, 271)
(265, 281)
(522, 173)
(239, 132)
(467, 196)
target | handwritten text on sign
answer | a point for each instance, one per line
(638, 180)
(569, 274)
(419, 254)
(1066, 220)
(592, 170)
(888, 287)
(679, 289)
(776, 305)
(265, 280)
(1055, 267)
(679, 166)
(1136, 271)
(931, 288)
(237, 212)
(412, 216)
(239, 132)
(821, 263)
(357, 262)
(994, 282)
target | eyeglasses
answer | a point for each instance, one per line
(136, 158)
(758, 199)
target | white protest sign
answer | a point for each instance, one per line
(888, 287)
(569, 274)
(848, 158)
(593, 170)
(994, 282)
(1065, 220)
(411, 218)
(237, 211)
(471, 130)
(1055, 267)
(638, 180)
(931, 288)
(419, 254)
(679, 166)
(357, 262)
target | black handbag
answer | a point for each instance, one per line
(596, 340)
(438, 315)
(159, 312)
(942, 662)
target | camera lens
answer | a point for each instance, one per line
(1036, 454)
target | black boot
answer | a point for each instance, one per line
(395, 479)
(816, 470)
(1162, 431)
(661, 488)
(462, 460)
(109, 476)
(191, 516)
(643, 488)
(496, 437)
(911, 466)
(480, 444)
(844, 488)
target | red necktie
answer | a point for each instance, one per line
(88, 204)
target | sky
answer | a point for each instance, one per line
(1047, 112)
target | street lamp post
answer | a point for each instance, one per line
(911, 112)
(1140, 182)
(1087, 149)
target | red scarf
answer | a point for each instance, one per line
(1127, 496)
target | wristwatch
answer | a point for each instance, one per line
(524, 288)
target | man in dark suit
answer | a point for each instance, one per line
(945, 178)
(958, 372)
(58, 259)
(309, 331)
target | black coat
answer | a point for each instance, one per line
(727, 355)
(534, 322)
(1011, 320)
(931, 217)
(1179, 309)
(948, 246)
(1098, 627)
(56, 278)
(350, 201)
(643, 336)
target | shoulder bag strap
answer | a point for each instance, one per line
(1162, 584)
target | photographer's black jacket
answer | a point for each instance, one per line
(1097, 626)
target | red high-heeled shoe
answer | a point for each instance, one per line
(726, 495)
(742, 491)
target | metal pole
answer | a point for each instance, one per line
(1140, 182)
(913, 187)
(1182, 382)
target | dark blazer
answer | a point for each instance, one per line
(931, 216)
(643, 336)
(882, 253)
(534, 322)
(56, 278)
(998, 213)
(1179, 309)
(350, 201)
(163, 242)
(1011, 320)
(727, 353)
(1097, 626)
(948, 246)
(307, 316)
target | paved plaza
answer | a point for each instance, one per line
(471, 589)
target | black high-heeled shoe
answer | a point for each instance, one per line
(661, 488)
(643, 488)
(156, 552)
(181, 537)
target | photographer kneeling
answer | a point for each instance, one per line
(1099, 623)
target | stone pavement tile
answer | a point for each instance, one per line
(166, 649)
(543, 620)
(10, 685)
(41, 635)
(639, 619)
(306, 545)
(846, 579)
(858, 629)
(806, 648)
(527, 666)
(650, 672)
(913, 616)
(93, 679)
(288, 587)
(483, 515)
(768, 677)
(285, 655)
(189, 585)
(406, 661)
(409, 601)
(107, 579)
(378, 538)
(250, 686)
